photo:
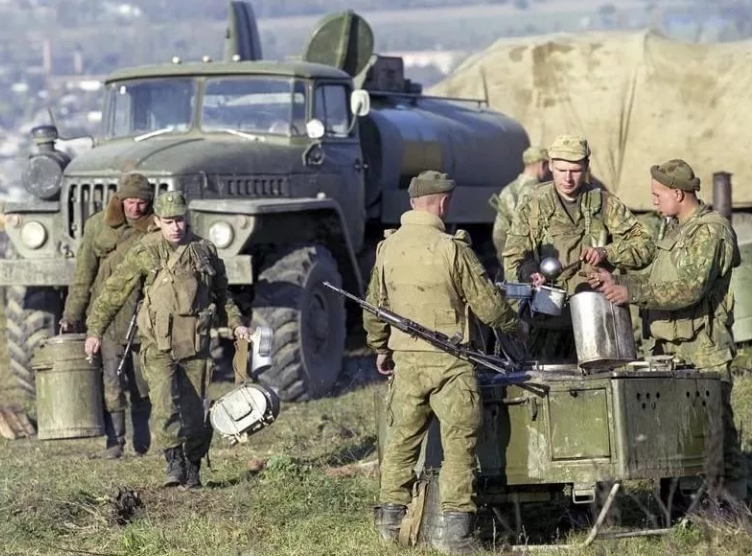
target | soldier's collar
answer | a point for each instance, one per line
(422, 218)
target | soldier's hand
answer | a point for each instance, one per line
(618, 295)
(91, 347)
(593, 255)
(537, 279)
(66, 327)
(243, 333)
(598, 278)
(384, 364)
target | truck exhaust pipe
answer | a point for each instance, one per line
(722, 194)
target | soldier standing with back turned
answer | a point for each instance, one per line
(184, 291)
(688, 297)
(433, 278)
(107, 237)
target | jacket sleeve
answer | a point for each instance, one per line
(118, 288)
(632, 246)
(226, 306)
(697, 269)
(87, 266)
(377, 332)
(521, 244)
(480, 293)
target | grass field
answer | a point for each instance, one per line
(55, 500)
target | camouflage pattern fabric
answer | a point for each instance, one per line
(131, 381)
(108, 236)
(434, 279)
(426, 384)
(182, 287)
(690, 311)
(177, 389)
(543, 227)
(687, 290)
(505, 204)
(430, 277)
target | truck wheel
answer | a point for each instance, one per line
(31, 317)
(308, 322)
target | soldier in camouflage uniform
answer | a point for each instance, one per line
(505, 203)
(434, 279)
(184, 290)
(687, 296)
(579, 224)
(107, 237)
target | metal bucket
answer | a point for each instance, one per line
(69, 390)
(602, 331)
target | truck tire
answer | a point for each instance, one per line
(308, 321)
(31, 317)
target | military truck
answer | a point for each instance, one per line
(292, 168)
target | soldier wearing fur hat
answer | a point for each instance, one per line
(435, 279)
(107, 237)
(505, 203)
(184, 286)
(687, 294)
(579, 224)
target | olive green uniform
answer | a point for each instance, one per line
(547, 225)
(505, 204)
(434, 279)
(690, 305)
(184, 290)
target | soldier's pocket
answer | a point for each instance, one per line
(163, 331)
(203, 328)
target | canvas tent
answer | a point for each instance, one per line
(640, 98)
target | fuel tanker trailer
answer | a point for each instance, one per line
(292, 168)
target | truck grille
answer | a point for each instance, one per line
(256, 186)
(87, 198)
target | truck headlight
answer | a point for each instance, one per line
(221, 234)
(33, 235)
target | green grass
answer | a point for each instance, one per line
(54, 499)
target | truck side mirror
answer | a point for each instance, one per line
(315, 129)
(360, 103)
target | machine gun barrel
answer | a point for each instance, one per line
(436, 339)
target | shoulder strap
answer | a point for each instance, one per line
(176, 256)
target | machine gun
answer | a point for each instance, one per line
(129, 338)
(436, 339)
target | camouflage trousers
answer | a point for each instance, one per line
(425, 384)
(131, 381)
(177, 389)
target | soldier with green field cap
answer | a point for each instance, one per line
(505, 203)
(435, 279)
(580, 225)
(184, 288)
(687, 296)
(107, 237)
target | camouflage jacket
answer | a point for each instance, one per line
(687, 289)
(197, 292)
(433, 278)
(543, 227)
(107, 237)
(510, 197)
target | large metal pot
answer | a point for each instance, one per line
(602, 331)
(69, 390)
(548, 300)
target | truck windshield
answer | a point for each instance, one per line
(254, 104)
(148, 107)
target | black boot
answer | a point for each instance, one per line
(175, 467)
(192, 474)
(457, 534)
(114, 430)
(141, 437)
(387, 519)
